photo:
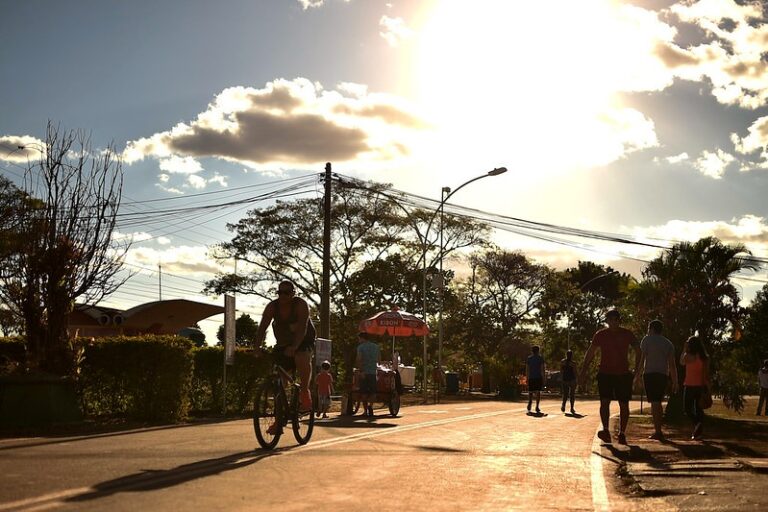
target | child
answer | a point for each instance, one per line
(324, 389)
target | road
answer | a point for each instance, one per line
(478, 455)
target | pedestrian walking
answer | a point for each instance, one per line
(535, 370)
(696, 362)
(657, 366)
(762, 377)
(568, 376)
(368, 357)
(614, 380)
(324, 389)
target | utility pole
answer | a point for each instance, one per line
(160, 281)
(325, 299)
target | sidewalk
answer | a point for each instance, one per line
(727, 470)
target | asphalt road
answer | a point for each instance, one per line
(479, 455)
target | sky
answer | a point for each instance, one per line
(647, 118)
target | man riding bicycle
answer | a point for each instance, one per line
(294, 335)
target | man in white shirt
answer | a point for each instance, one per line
(657, 365)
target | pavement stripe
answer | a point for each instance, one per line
(29, 502)
(599, 491)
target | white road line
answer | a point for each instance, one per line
(599, 491)
(29, 502)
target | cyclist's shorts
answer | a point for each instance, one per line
(287, 362)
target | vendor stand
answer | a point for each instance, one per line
(397, 324)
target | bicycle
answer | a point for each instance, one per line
(272, 410)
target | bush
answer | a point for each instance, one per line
(242, 380)
(146, 378)
(13, 355)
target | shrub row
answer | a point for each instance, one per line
(153, 378)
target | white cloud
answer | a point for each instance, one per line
(732, 57)
(164, 178)
(394, 30)
(161, 240)
(140, 236)
(181, 260)
(750, 230)
(171, 190)
(180, 165)
(756, 140)
(713, 164)
(196, 182)
(218, 178)
(20, 148)
(676, 159)
(307, 4)
(288, 122)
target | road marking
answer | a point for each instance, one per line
(29, 502)
(599, 491)
(404, 428)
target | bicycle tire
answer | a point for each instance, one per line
(267, 412)
(303, 422)
(394, 401)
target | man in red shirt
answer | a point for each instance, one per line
(614, 380)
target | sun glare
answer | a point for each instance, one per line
(529, 83)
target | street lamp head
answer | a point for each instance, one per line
(497, 171)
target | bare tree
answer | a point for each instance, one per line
(66, 251)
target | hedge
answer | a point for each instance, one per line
(146, 378)
(242, 380)
(13, 355)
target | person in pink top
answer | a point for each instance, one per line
(324, 389)
(696, 362)
(614, 380)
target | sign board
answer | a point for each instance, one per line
(322, 350)
(229, 330)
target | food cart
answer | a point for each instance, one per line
(394, 323)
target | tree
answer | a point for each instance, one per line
(64, 250)
(369, 227)
(497, 302)
(689, 288)
(574, 305)
(245, 332)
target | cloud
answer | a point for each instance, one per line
(394, 30)
(20, 148)
(286, 123)
(179, 165)
(756, 140)
(676, 159)
(181, 260)
(732, 56)
(750, 230)
(196, 182)
(307, 4)
(713, 164)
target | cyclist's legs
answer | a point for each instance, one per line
(304, 369)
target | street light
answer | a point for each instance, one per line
(446, 194)
(570, 304)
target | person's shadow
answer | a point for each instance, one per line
(575, 415)
(537, 414)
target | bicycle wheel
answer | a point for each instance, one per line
(303, 422)
(394, 401)
(268, 416)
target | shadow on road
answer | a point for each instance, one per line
(575, 415)
(149, 480)
(354, 422)
(123, 430)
